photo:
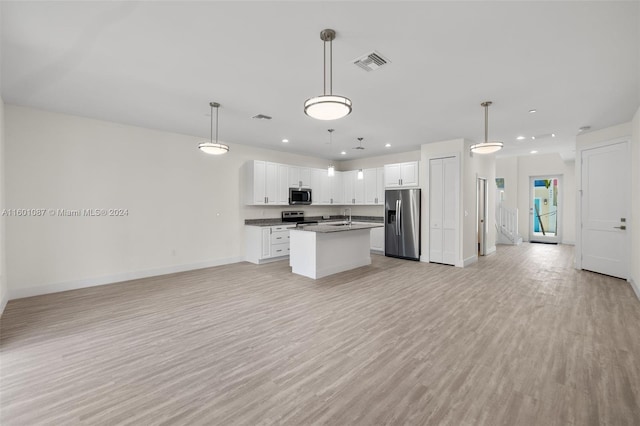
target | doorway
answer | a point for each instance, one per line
(482, 203)
(544, 209)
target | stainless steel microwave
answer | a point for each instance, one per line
(299, 196)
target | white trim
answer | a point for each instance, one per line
(491, 250)
(635, 287)
(3, 304)
(469, 261)
(18, 293)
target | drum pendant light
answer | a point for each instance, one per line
(210, 147)
(486, 147)
(328, 106)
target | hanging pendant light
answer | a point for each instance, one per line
(486, 147)
(211, 147)
(360, 174)
(331, 170)
(328, 106)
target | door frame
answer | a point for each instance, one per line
(557, 239)
(578, 177)
(482, 245)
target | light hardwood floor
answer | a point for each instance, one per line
(521, 338)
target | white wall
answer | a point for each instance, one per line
(507, 168)
(477, 166)
(635, 202)
(4, 293)
(185, 207)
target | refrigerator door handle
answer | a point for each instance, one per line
(397, 211)
(399, 218)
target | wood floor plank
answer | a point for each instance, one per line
(518, 338)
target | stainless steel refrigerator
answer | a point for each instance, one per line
(402, 223)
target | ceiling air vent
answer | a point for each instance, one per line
(371, 61)
(261, 117)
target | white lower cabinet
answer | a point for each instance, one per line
(377, 238)
(266, 243)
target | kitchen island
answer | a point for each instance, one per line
(317, 251)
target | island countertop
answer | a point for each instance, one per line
(337, 227)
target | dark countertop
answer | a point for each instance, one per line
(327, 228)
(278, 221)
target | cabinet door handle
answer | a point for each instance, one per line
(621, 227)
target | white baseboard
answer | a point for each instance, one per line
(568, 242)
(490, 250)
(3, 303)
(19, 293)
(470, 260)
(635, 287)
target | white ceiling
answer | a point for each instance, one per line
(159, 64)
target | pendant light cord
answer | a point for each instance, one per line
(324, 71)
(217, 108)
(331, 67)
(486, 123)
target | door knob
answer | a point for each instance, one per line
(621, 227)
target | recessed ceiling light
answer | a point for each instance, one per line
(520, 138)
(285, 140)
(531, 111)
(387, 145)
(534, 152)
(533, 137)
(343, 153)
(553, 135)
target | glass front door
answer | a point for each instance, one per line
(544, 210)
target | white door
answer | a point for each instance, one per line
(545, 200)
(443, 214)
(605, 210)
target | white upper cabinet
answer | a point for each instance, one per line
(401, 175)
(336, 185)
(374, 186)
(353, 188)
(265, 183)
(349, 179)
(299, 177)
(320, 187)
(283, 184)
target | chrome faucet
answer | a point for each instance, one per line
(345, 214)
